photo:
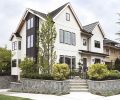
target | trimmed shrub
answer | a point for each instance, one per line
(60, 71)
(97, 71)
(113, 74)
(28, 66)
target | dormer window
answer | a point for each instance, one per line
(67, 16)
(30, 23)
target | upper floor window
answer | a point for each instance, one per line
(67, 37)
(14, 63)
(30, 41)
(67, 16)
(30, 23)
(14, 45)
(97, 44)
(19, 45)
(84, 42)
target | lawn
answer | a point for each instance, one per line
(4, 97)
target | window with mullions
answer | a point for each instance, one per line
(70, 60)
(14, 63)
(84, 42)
(97, 44)
(30, 41)
(67, 37)
(30, 23)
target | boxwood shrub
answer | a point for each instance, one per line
(100, 72)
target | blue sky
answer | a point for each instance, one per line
(88, 11)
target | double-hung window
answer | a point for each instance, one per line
(30, 23)
(14, 45)
(30, 41)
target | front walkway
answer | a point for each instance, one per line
(71, 96)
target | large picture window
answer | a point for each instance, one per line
(67, 37)
(70, 60)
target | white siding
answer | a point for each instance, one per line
(71, 26)
(97, 35)
(23, 42)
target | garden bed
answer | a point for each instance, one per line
(41, 86)
(105, 88)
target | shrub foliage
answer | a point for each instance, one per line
(60, 71)
(100, 72)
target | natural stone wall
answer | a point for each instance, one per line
(105, 88)
(5, 81)
(41, 86)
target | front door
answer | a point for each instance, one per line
(84, 68)
(84, 63)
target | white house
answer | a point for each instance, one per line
(74, 43)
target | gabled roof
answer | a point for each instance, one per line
(105, 41)
(90, 27)
(44, 16)
(56, 11)
(39, 13)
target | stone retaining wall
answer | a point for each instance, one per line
(5, 81)
(105, 88)
(41, 86)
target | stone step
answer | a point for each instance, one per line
(79, 87)
(79, 81)
(79, 90)
(73, 83)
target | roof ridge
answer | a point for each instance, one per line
(91, 23)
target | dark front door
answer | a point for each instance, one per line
(84, 64)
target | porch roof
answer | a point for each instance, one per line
(92, 53)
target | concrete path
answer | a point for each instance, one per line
(71, 96)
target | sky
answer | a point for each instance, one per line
(88, 11)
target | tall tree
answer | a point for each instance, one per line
(46, 40)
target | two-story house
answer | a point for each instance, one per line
(112, 49)
(74, 43)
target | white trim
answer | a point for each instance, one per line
(100, 29)
(72, 12)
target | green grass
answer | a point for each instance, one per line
(4, 97)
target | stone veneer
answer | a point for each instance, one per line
(105, 88)
(5, 81)
(41, 86)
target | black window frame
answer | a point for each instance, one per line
(84, 42)
(67, 17)
(97, 44)
(14, 63)
(19, 45)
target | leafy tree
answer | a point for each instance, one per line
(5, 60)
(46, 39)
(117, 64)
